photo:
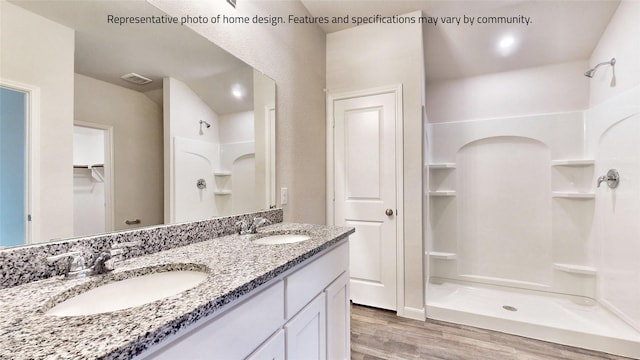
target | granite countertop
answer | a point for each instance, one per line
(236, 266)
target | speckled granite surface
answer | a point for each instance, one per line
(236, 266)
(28, 263)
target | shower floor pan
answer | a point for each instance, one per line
(568, 320)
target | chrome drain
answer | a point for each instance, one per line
(509, 308)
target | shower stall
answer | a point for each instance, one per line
(527, 232)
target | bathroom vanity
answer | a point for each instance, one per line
(258, 301)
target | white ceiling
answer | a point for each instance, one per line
(107, 51)
(560, 31)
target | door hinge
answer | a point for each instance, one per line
(29, 217)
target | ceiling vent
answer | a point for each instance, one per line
(136, 79)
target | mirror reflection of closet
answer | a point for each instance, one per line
(92, 179)
(14, 157)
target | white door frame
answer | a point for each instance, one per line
(33, 156)
(343, 95)
(270, 148)
(109, 169)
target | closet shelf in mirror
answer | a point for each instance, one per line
(222, 173)
(573, 162)
(77, 166)
(95, 172)
(572, 195)
(223, 192)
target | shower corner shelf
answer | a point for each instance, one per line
(436, 166)
(442, 193)
(572, 195)
(222, 173)
(573, 162)
(223, 192)
(442, 255)
(576, 269)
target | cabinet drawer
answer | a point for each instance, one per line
(304, 284)
(234, 334)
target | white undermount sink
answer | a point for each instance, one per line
(281, 239)
(128, 293)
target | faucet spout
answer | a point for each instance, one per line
(244, 228)
(100, 264)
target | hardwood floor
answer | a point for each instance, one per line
(380, 334)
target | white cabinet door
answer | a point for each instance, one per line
(272, 349)
(338, 322)
(306, 332)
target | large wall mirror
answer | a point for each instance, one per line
(124, 126)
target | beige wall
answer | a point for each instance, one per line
(293, 56)
(620, 40)
(356, 62)
(46, 63)
(137, 128)
(537, 90)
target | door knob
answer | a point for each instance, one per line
(388, 212)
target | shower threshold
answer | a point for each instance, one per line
(569, 320)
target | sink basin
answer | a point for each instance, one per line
(281, 239)
(128, 293)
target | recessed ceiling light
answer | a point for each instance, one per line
(507, 45)
(237, 91)
(507, 42)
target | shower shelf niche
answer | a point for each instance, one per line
(572, 178)
(573, 162)
(576, 269)
(572, 195)
(442, 255)
(442, 179)
(223, 192)
(222, 173)
(442, 193)
(439, 166)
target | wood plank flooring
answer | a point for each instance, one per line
(380, 334)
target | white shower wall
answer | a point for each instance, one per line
(613, 134)
(513, 202)
(506, 209)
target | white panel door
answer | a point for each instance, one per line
(365, 193)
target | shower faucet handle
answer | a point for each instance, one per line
(612, 178)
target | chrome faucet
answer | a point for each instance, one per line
(117, 252)
(103, 262)
(244, 228)
(76, 264)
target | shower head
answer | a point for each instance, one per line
(591, 72)
(205, 123)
